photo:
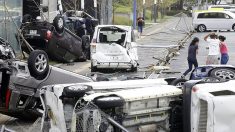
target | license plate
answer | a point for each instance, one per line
(115, 58)
(33, 32)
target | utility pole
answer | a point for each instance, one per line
(144, 9)
(95, 8)
(134, 13)
(82, 4)
(155, 12)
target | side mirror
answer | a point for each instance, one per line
(44, 8)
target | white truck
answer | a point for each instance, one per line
(140, 106)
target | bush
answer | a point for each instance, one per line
(121, 20)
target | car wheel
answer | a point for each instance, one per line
(94, 69)
(201, 28)
(223, 73)
(75, 91)
(107, 102)
(86, 46)
(58, 23)
(179, 82)
(38, 64)
(233, 27)
(212, 79)
(134, 69)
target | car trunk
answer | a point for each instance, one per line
(111, 53)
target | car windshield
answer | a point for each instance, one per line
(112, 35)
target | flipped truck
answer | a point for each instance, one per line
(198, 107)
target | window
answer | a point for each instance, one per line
(222, 93)
(213, 15)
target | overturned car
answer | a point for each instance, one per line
(21, 81)
(154, 107)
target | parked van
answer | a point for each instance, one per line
(214, 20)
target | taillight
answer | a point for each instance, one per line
(8, 95)
(48, 35)
(194, 89)
(93, 48)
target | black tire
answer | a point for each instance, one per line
(179, 82)
(26, 115)
(58, 23)
(201, 28)
(107, 102)
(223, 73)
(212, 79)
(93, 68)
(86, 46)
(75, 91)
(40, 70)
(134, 69)
(233, 27)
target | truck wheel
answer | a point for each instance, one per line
(38, 64)
(223, 73)
(107, 102)
(58, 23)
(86, 46)
(178, 82)
(94, 69)
(134, 69)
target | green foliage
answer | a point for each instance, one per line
(121, 20)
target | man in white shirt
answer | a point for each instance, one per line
(214, 49)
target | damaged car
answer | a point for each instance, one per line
(147, 104)
(114, 47)
(143, 108)
(64, 36)
(21, 81)
(208, 73)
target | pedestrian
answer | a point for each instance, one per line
(192, 56)
(223, 51)
(214, 49)
(140, 23)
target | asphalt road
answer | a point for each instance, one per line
(179, 64)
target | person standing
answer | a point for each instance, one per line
(223, 51)
(214, 49)
(192, 56)
(140, 23)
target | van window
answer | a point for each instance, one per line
(213, 15)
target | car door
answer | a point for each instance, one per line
(132, 46)
(228, 21)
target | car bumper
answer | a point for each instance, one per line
(116, 65)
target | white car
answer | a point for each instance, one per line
(147, 104)
(214, 20)
(210, 106)
(113, 47)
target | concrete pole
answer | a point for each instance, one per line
(155, 12)
(82, 4)
(144, 9)
(95, 8)
(134, 13)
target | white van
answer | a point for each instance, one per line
(214, 20)
(113, 47)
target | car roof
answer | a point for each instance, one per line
(118, 26)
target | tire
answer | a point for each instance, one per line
(75, 92)
(58, 23)
(223, 73)
(233, 27)
(201, 28)
(86, 46)
(212, 79)
(93, 68)
(134, 69)
(107, 102)
(38, 64)
(178, 82)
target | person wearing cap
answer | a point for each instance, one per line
(213, 57)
